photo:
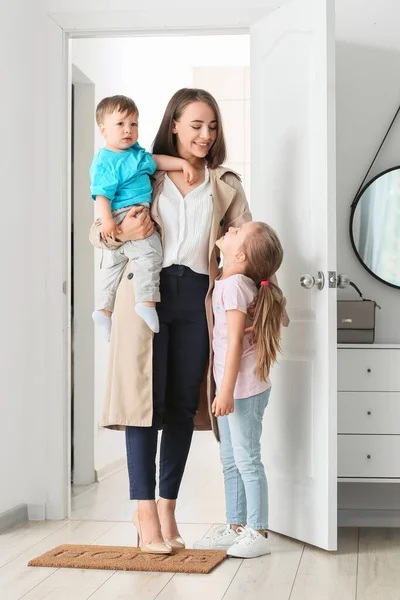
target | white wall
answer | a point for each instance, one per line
(22, 340)
(31, 303)
(368, 95)
(150, 70)
(231, 88)
(107, 14)
(91, 6)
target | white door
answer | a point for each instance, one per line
(293, 189)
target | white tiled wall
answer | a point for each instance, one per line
(231, 88)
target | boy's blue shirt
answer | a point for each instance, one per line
(122, 177)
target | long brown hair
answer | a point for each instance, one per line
(264, 256)
(165, 140)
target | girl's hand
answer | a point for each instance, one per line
(250, 313)
(285, 319)
(109, 229)
(136, 227)
(190, 174)
(223, 405)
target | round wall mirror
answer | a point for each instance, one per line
(375, 227)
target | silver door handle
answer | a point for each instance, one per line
(340, 281)
(308, 281)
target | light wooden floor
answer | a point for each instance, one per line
(366, 566)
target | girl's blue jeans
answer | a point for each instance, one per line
(246, 489)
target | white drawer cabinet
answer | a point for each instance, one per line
(368, 370)
(369, 412)
(375, 456)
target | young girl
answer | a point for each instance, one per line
(252, 254)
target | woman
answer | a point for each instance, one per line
(164, 383)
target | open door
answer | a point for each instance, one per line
(293, 189)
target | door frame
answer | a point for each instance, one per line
(82, 338)
(60, 30)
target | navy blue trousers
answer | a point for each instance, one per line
(180, 354)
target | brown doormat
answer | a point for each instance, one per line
(125, 558)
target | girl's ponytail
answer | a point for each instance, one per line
(264, 256)
(269, 311)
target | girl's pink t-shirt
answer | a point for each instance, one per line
(235, 293)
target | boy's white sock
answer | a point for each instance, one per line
(104, 323)
(149, 315)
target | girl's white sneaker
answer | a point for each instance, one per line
(249, 544)
(222, 538)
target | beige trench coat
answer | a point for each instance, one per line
(128, 395)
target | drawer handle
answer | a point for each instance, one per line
(368, 456)
(368, 412)
(368, 370)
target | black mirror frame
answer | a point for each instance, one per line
(353, 208)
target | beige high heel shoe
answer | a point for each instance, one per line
(176, 543)
(154, 547)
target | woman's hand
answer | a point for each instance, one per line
(136, 227)
(223, 404)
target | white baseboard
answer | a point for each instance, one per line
(13, 516)
(111, 468)
(37, 512)
(368, 518)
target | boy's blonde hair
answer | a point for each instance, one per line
(111, 104)
(264, 256)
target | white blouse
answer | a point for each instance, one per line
(186, 225)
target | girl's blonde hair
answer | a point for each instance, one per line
(264, 256)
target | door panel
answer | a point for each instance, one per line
(293, 189)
